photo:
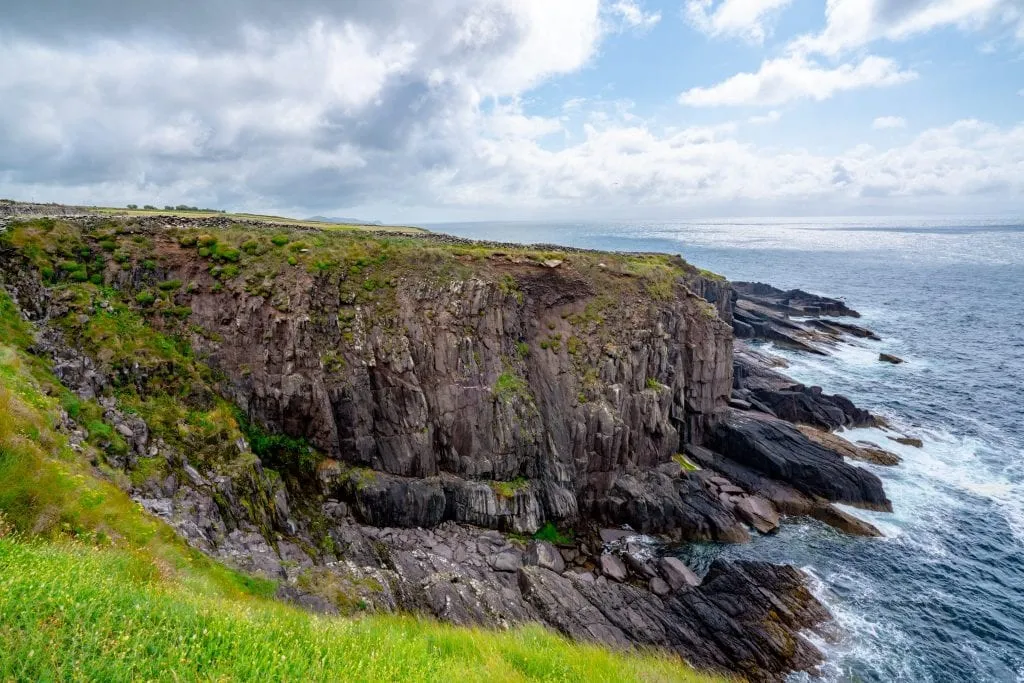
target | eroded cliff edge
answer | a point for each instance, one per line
(351, 412)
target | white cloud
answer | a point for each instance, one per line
(632, 15)
(746, 19)
(635, 166)
(770, 117)
(792, 78)
(430, 111)
(888, 122)
(854, 23)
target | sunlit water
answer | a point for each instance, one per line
(941, 598)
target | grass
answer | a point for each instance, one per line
(69, 612)
(685, 462)
(509, 386)
(509, 489)
(550, 533)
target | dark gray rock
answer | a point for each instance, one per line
(507, 561)
(779, 451)
(612, 567)
(543, 554)
(758, 513)
(677, 574)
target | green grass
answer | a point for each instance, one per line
(69, 612)
(508, 489)
(550, 533)
(509, 386)
(685, 463)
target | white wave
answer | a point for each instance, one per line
(928, 486)
(865, 642)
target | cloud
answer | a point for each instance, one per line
(419, 112)
(745, 19)
(850, 24)
(632, 16)
(355, 102)
(888, 122)
(636, 166)
(792, 78)
(770, 117)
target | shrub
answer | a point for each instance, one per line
(222, 252)
(550, 533)
(279, 451)
(188, 240)
(145, 298)
(169, 285)
(280, 240)
(108, 245)
(206, 240)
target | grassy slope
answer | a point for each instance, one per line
(71, 612)
(92, 588)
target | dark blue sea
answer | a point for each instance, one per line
(941, 597)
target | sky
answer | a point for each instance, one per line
(411, 111)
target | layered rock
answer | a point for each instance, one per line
(491, 378)
(779, 451)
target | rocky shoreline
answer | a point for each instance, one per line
(436, 480)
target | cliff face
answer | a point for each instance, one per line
(559, 377)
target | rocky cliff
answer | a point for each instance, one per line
(366, 416)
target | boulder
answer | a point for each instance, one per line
(889, 358)
(659, 587)
(613, 567)
(758, 513)
(653, 503)
(506, 561)
(615, 535)
(844, 521)
(543, 554)
(677, 574)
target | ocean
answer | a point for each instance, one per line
(941, 597)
